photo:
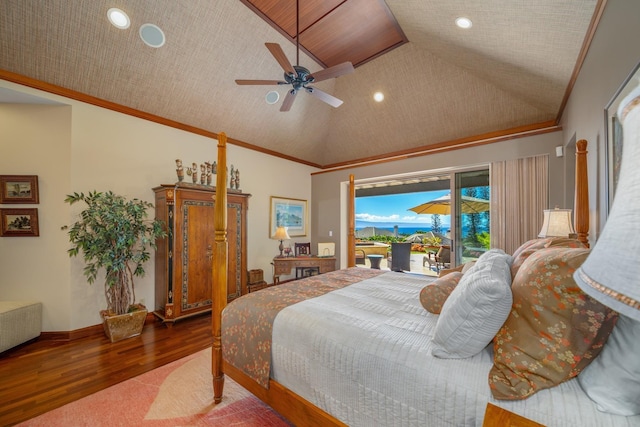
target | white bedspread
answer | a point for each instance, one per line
(363, 354)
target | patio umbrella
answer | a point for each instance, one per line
(442, 206)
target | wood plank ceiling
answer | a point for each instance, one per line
(334, 31)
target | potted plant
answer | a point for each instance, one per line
(114, 234)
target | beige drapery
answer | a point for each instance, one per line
(519, 194)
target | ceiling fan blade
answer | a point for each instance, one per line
(324, 96)
(331, 72)
(288, 100)
(261, 82)
(278, 53)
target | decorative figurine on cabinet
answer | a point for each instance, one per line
(203, 174)
(179, 170)
(209, 177)
(193, 171)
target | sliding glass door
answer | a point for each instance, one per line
(470, 224)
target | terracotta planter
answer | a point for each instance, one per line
(121, 326)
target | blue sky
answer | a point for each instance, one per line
(387, 211)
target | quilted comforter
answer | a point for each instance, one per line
(363, 354)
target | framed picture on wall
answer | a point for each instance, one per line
(19, 189)
(290, 213)
(19, 223)
(613, 132)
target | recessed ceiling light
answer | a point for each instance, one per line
(463, 22)
(152, 35)
(118, 18)
(378, 96)
(272, 97)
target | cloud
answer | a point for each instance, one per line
(377, 218)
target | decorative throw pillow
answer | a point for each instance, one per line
(433, 296)
(554, 330)
(613, 379)
(527, 248)
(467, 266)
(476, 308)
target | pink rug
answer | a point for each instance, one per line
(177, 394)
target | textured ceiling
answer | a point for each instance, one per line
(512, 69)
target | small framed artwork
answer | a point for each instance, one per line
(19, 189)
(19, 223)
(290, 213)
(613, 132)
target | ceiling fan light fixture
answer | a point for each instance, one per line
(463, 22)
(378, 96)
(118, 18)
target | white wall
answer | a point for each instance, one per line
(81, 147)
(36, 140)
(613, 54)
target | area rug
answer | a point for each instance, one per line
(177, 394)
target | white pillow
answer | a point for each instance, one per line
(612, 380)
(476, 309)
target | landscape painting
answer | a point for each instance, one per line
(19, 223)
(18, 189)
(289, 213)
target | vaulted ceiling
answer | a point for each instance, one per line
(509, 73)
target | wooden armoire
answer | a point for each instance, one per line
(183, 264)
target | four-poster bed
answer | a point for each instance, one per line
(297, 371)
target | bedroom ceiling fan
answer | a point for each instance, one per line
(300, 77)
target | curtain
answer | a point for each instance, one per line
(519, 194)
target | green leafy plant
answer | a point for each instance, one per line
(113, 233)
(432, 240)
(484, 239)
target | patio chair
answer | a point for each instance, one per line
(400, 259)
(439, 260)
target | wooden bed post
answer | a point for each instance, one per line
(219, 270)
(351, 237)
(581, 212)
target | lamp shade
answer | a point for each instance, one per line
(611, 273)
(281, 234)
(557, 223)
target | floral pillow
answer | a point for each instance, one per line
(527, 248)
(554, 329)
(433, 296)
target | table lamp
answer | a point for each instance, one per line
(557, 223)
(281, 234)
(611, 275)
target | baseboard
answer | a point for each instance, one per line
(89, 331)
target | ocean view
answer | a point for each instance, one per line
(407, 229)
(402, 230)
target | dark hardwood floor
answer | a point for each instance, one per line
(42, 375)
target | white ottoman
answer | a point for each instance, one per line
(20, 321)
